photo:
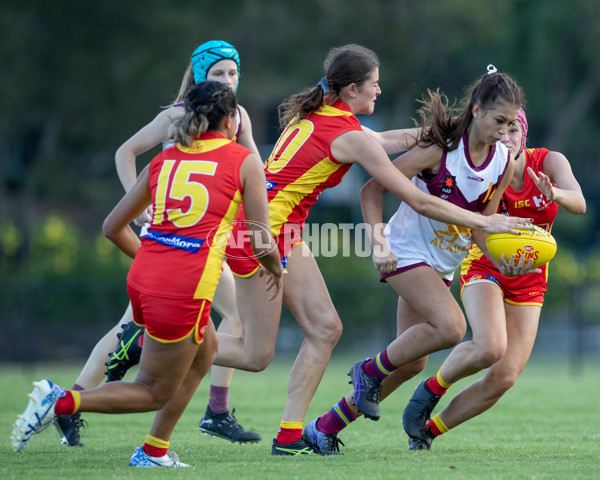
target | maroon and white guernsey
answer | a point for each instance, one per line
(416, 239)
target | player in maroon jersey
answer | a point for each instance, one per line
(503, 303)
(322, 137)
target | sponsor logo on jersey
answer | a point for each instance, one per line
(189, 244)
(455, 239)
(474, 177)
(448, 184)
(271, 185)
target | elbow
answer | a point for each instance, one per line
(107, 230)
(124, 156)
(371, 188)
(578, 209)
(119, 155)
(364, 191)
(426, 209)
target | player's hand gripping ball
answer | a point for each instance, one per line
(534, 242)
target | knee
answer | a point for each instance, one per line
(327, 332)
(230, 325)
(210, 345)
(454, 331)
(157, 399)
(416, 367)
(258, 361)
(490, 354)
(500, 382)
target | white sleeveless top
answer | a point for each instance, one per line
(415, 239)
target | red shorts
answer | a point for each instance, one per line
(512, 288)
(240, 256)
(169, 319)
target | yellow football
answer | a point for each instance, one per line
(534, 242)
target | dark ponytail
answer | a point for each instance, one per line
(206, 103)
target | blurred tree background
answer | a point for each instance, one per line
(78, 78)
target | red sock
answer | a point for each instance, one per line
(433, 428)
(435, 386)
(65, 405)
(154, 451)
(288, 435)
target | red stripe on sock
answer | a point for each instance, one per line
(65, 405)
(435, 387)
(432, 427)
(154, 451)
(288, 435)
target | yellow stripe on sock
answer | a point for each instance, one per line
(341, 414)
(76, 399)
(384, 370)
(440, 380)
(440, 424)
(156, 442)
(296, 425)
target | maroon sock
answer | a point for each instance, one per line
(336, 419)
(379, 366)
(217, 399)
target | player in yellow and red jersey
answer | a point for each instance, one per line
(195, 189)
(502, 302)
(218, 61)
(459, 158)
(293, 186)
(321, 139)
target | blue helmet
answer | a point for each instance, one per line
(209, 53)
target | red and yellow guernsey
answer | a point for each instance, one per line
(302, 165)
(196, 193)
(528, 202)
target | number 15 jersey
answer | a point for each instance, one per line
(196, 192)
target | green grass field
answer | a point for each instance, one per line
(546, 427)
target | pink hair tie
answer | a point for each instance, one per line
(522, 119)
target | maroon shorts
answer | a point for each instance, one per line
(383, 276)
